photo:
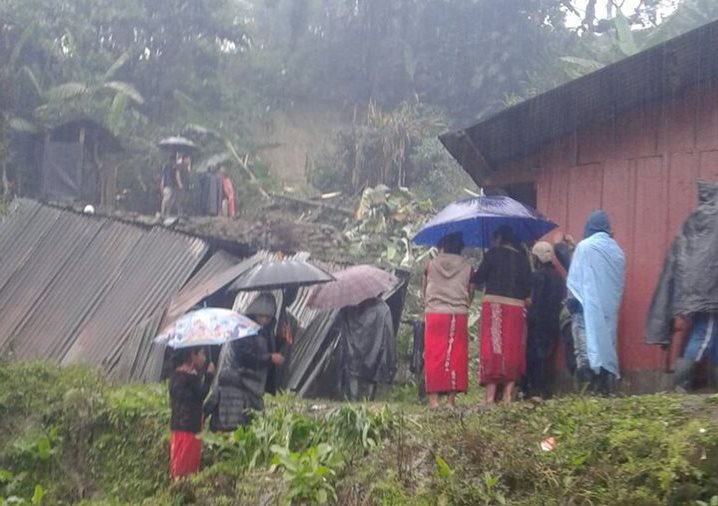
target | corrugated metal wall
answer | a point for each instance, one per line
(74, 288)
(641, 167)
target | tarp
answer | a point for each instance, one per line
(596, 280)
(368, 346)
(689, 281)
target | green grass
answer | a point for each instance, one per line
(79, 439)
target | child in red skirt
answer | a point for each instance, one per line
(188, 386)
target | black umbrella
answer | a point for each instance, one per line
(180, 144)
(282, 274)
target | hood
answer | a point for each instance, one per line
(449, 265)
(597, 222)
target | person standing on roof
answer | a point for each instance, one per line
(228, 209)
(170, 184)
(595, 283)
(448, 292)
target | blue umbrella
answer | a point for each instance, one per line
(478, 218)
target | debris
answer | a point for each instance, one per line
(548, 444)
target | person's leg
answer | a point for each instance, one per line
(451, 399)
(699, 341)
(353, 389)
(509, 392)
(433, 400)
(165, 207)
(584, 375)
(371, 391)
(489, 394)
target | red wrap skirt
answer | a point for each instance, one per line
(185, 454)
(446, 359)
(502, 349)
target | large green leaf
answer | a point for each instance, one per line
(125, 89)
(27, 33)
(624, 35)
(116, 110)
(22, 125)
(67, 91)
(119, 63)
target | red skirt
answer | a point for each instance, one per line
(446, 359)
(503, 341)
(185, 454)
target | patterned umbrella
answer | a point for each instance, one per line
(282, 274)
(207, 327)
(352, 286)
(478, 218)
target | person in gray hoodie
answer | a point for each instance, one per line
(448, 292)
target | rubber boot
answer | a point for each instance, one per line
(371, 392)
(683, 375)
(353, 389)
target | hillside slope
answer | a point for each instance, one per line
(70, 437)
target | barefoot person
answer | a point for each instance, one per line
(448, 292)
(188, 387)
(505, 274)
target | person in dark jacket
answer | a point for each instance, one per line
(367, 349)
(244, 368)
(684, 308)
(547, 294)
(188, 386)
(505, 274)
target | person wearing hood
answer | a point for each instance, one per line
(367, 348)
(448, 292)
(595, 283)
(685, 304)
(245, 365)
(505, 274)
(548, 291)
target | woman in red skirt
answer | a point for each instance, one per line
(505, 274)
(188, 387)
(447, 296)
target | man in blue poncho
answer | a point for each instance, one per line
(595, 282)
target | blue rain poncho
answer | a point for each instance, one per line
(596, 279)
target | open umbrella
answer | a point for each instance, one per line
(352, 286)
(179, 144)
(207, 327)
(281, 274)
(478, 218)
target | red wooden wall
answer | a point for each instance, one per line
(641, 167)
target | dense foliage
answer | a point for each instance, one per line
(218, 70)
(72, 437)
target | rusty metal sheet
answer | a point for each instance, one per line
(219, 271)
(75, 288)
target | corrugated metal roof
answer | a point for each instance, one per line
(74, 288)
(661, 71)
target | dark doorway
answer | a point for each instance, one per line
(523, 192)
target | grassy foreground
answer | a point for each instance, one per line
(70, 437)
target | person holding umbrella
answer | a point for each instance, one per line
(244, 369)
(367, 349)
(188, 386)
(189, 383)
(505, 274)
(447, 291)
(170, 183)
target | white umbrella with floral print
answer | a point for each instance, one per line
(207, 327)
